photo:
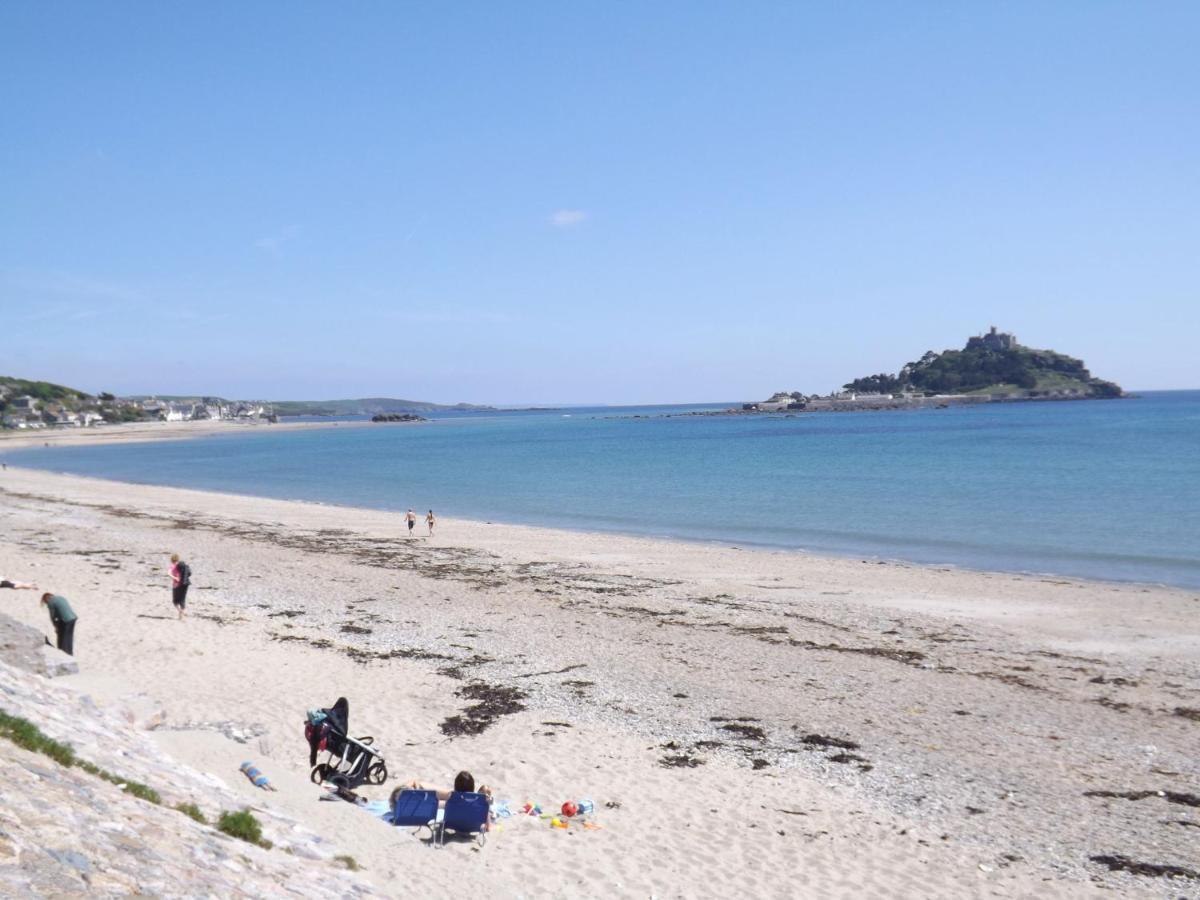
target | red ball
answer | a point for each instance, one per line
(569, 809)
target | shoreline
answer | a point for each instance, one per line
(146, 432)
(858, 712)
(873, 556)
(666, 546)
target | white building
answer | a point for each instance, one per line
(24, 404)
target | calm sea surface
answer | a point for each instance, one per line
(1102, 489)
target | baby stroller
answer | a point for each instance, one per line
(351, 762)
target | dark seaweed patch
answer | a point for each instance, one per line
(492, 702)
(822, 740)
(847, 758)
(1170, 796)
(680, 761)
(748, 732)
(1117, 863)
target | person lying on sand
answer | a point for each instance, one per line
(463, 782)
(18, 585)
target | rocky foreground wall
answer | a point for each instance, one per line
(66, 833)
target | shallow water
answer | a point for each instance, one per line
(1101, 489)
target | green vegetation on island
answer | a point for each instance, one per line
(993, 364)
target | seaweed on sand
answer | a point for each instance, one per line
(1118, 863)
(492, 702)
(821, 740)
(748, 732)
(680, 761)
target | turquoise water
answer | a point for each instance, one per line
(1101, 489)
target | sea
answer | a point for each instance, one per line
(1101, 489)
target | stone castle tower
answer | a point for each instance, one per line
(993, 340)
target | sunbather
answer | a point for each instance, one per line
(463, 782)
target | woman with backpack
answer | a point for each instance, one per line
(181, 577)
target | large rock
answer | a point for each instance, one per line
(56, 663)
(21, 646)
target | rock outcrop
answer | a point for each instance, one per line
(26, 648)
(65, 832)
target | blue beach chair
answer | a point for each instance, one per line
(465, 813)
(416, 809)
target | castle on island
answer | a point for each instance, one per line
(993, 340)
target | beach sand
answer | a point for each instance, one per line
(142, 432)
(750, 722)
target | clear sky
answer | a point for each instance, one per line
(591, 202)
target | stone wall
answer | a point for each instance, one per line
(66, 833)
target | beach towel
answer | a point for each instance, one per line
(257, 778)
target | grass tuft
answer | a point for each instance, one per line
(348, 861)
(25, 734)
(143, 792)
(192, 811)
(243, 826)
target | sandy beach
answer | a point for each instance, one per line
(142, 432)
(765, 723)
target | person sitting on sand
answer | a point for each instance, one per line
(464, 782)
(18, 585)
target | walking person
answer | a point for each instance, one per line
(63, 618)
(411, 518)
(181, 577)
(430, 521)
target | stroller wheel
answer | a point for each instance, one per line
(318, 774)
(377, 774)
(341, 782)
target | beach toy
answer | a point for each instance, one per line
(586, 806)
(531, 809)
(558, 823)
(570, 809)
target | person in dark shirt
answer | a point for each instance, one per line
(17, 585)
(64, 619)
(181, 578)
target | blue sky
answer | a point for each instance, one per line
(591, 202)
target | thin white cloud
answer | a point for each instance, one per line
(65, 312)
(450, 316)
(568, 218)
(273, 243)
(64, 284)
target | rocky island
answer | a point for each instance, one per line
(398, 417)
(992, 367)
